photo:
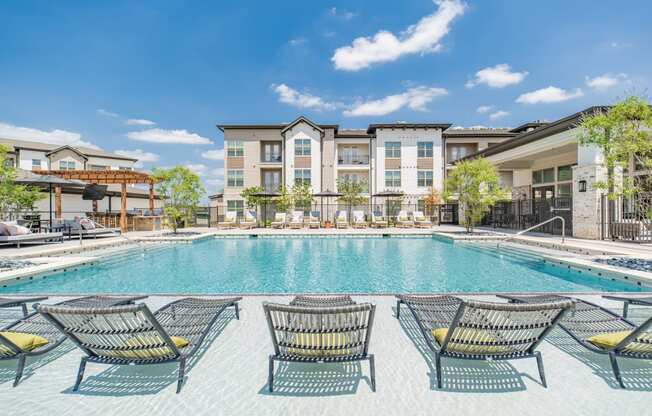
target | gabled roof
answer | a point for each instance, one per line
(529, 126)
(302, 119)
(66, 147)
(14, 144)
(372, 127)
(479, 132)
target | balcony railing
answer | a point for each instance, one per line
(353, 160)
(272, 158)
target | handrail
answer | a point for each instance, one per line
(563, 229)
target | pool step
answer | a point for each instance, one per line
(504, 252)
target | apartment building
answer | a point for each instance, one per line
(406, 157)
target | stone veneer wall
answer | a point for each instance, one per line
(521, 192)
(586, 205)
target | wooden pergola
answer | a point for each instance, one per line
(105, 177)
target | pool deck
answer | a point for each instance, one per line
(230, 377)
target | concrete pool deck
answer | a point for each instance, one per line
(230, 377)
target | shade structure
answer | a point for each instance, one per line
(325, 194)
(265, 195)
(26, 177)
(387, 195)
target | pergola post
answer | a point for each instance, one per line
(123, 208)
(57, 202)
(151, 198)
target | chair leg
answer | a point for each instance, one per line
(182, 369)
(19, 369)
(542, 373)
(80, 374)
(616, 370)
(25, 312)
(372, 371)
(237, 311)
(438, 370)
(270, 376)
(625, 309)
(398, 309)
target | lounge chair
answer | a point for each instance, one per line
(600, 330)
(322, 301)
(280, 220)
(341, 220)
(249, 220)
(420, 220)
(22, 302)
(358, 220)
(403, 220)
(313, 219)
(378, 220)
(483, 330)
(630, 300)
(230, 220)
(320, 334)
(18, 240)
(33, 335)
(133, 335)
(297, 219)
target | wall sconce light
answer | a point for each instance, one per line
(582, 186)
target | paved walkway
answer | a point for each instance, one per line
(230, 378)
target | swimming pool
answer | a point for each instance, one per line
(320, 265)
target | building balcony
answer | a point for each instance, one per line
(354, 160)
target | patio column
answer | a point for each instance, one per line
(151, 197)
(587, 212)
(57, 202)
(123, 208)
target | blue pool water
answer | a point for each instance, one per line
(352, 265)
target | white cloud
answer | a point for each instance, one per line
(414, 98)
(215, 183)
(548, 95)
(139, 122)
(216, 154)
(484, 109)
(288, 95)
(498, 76)
(344, 14)
(107, 113)
(298, 41)
(139, 154)
(384, 46)
(498, 114)
(199, 168)
(56, 136)
(216, 172)
(603, 82)
(168, 136)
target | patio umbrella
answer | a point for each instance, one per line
(26, 177)
(265, 195)
(326, 194)
(387, 195)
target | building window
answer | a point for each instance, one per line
(458, 151)
(237, 206)
(424, 149)
(234, 148)
(66, 165)
(302, 176)
(543, 176)
(424, 178)
(272, 152)
(564, 190)
(98, 167)
(392, 149)
(36, 164)
(392, 178)
(355, 178)
(235, 178)
(302, 147)
(125, 168)
(565, 173)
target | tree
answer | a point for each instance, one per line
(249, 196)
(431, 200)
(351, 192)
(622, 133)
(475, 184)
(14, 198)
(302, 195)
(284, 201)
(180, 189)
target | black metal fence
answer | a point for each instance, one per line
(627, 219)
(525, 213)
(439, 214)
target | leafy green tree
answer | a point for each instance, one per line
(284, 201)
(249, 196)
(181, 190)
(351, 192)
(622, 133)
(475, 184)
(302, 195)
(14, 198)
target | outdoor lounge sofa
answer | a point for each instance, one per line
(32, 335)
(249, 220)
(320, 334)
(420, 220)
(280, 220)
(296, 221)
(474, 330)
(230, 220)
(133, 335)
(378, 220)
(358, 220)
(403, 220)
(341, 220)
(18, 240)
(313, 219)
(600, 330)
(84, 227)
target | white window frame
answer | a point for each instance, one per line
(302, 147)
(424, 178)
(67, 165)
(235, 148)
(235, 178)
(392, 150)
(300, 177)
(425, 149)
(391, 178)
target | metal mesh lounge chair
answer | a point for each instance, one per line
(35, 324)
(249, 220)
(22, 302)
(296, 221)
(133, 335)
(320, 334)
(483, 330)
(280, 220)
(322, 301)
(630, 300)
(589, 325)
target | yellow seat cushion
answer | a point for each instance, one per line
(440, 336)
(147, 353)
(312, 344)
(25, 341)
(608, 340)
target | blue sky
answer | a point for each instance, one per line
(154, 77)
